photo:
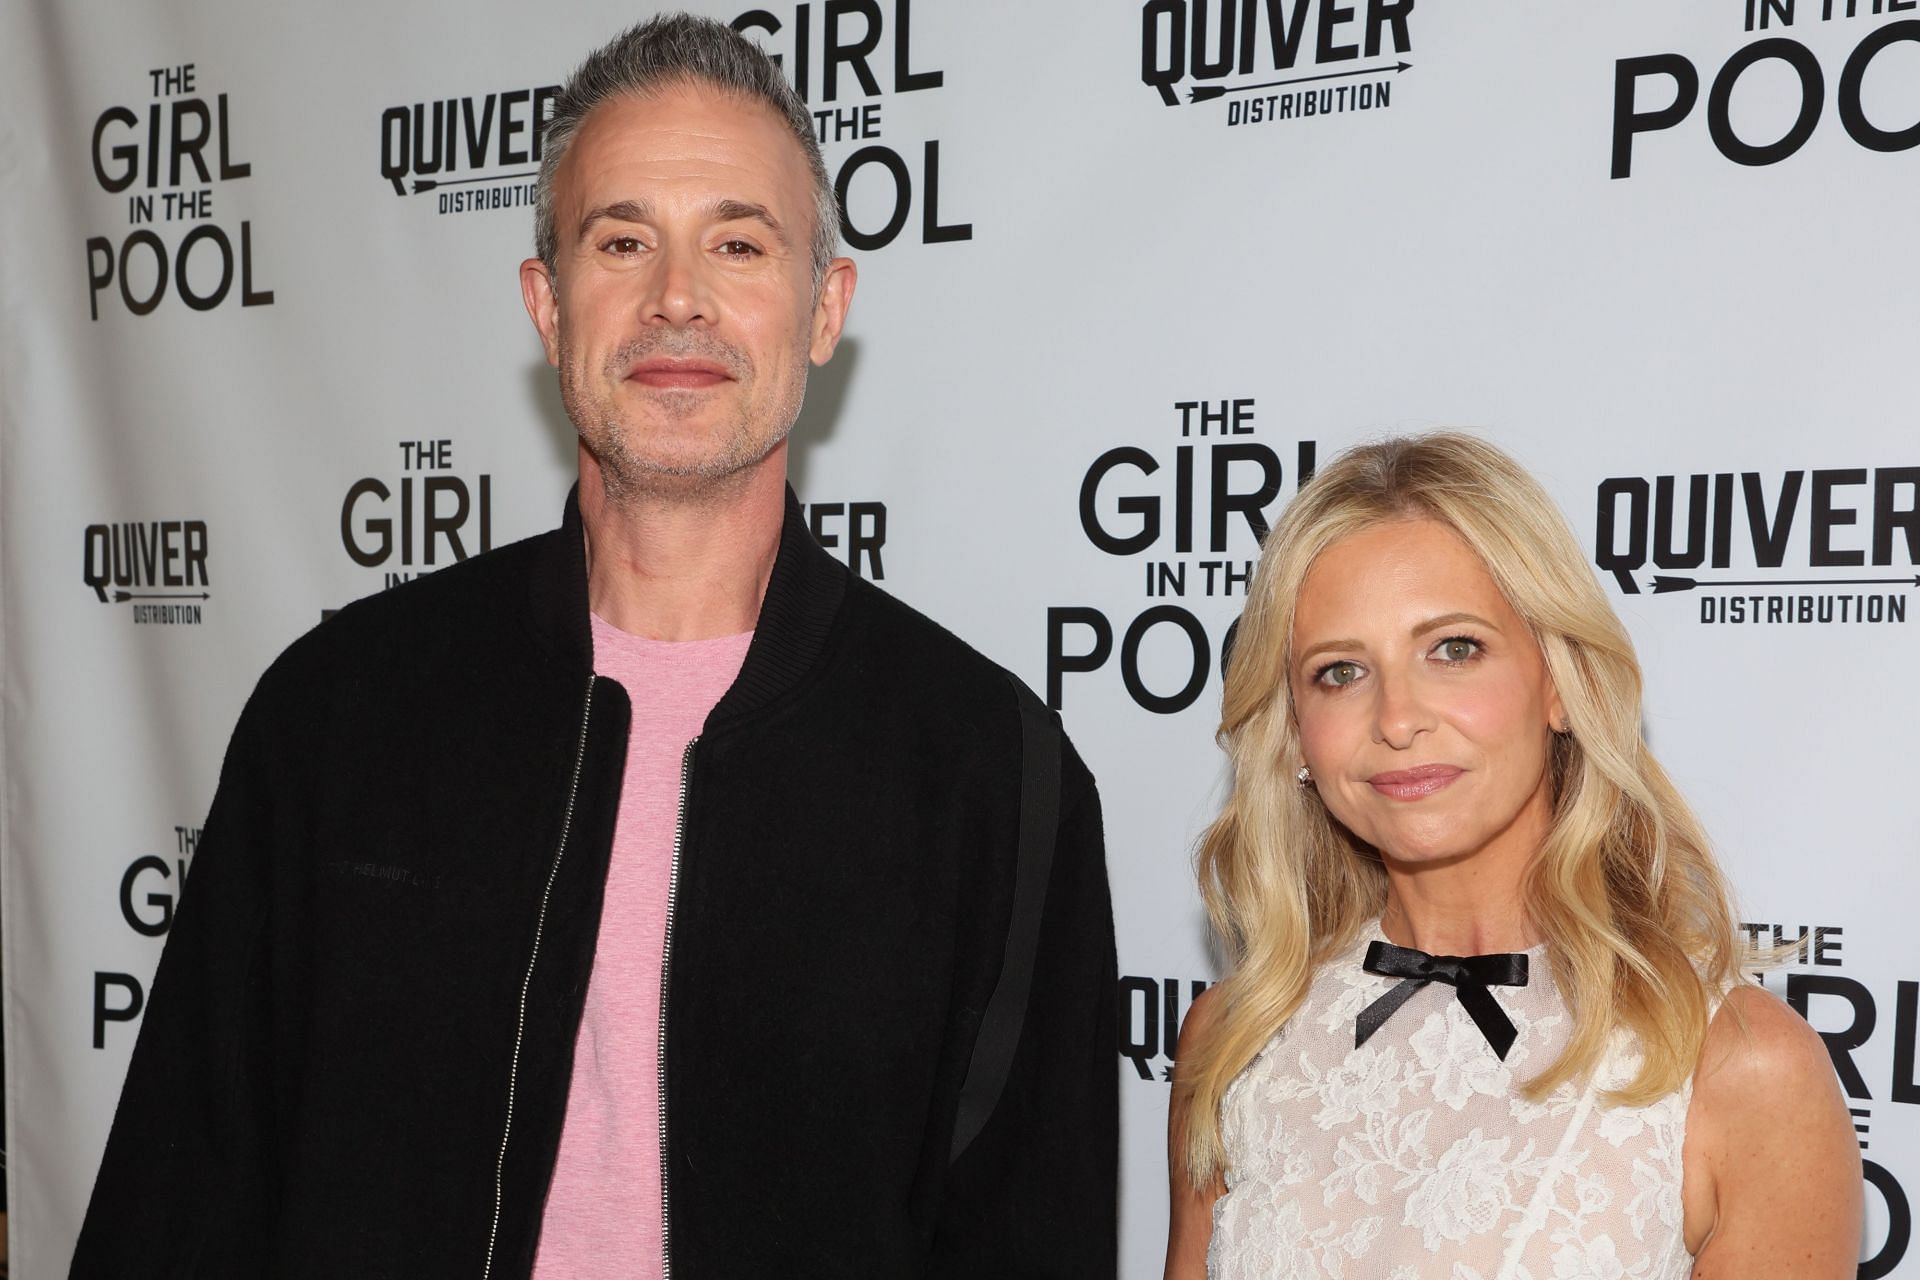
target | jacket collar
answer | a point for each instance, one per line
(803, 598)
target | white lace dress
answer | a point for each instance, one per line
(1414, 1157)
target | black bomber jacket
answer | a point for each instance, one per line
(355, 1058)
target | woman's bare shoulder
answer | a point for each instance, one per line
(1756, 1045)
(1765, 1101)
(1203, 1015)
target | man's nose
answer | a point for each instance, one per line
(678, 291)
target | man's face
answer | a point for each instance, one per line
(682, 311)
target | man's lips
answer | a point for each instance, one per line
(679, 375)
(1412, 784)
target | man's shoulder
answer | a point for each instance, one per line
(892, 634)
(481, 603)
(931, 672)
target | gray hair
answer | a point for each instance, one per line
(664, 52)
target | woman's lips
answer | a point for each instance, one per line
(1412, 784)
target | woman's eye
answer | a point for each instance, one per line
(1458, 648)
(1339, 674)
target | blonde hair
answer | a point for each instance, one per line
(1624, 891)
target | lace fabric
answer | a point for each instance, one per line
(1415, 1156)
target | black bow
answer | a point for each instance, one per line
(1469, 976)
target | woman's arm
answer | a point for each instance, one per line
(1772, 1180)
(1190, 1225)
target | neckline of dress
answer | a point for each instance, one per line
(1376, 934)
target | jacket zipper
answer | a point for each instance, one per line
(666, 969)
(539, 926)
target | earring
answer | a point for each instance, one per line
(1304, 777)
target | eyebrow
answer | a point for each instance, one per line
(1441, 620)
(747, 211)
(618, 211)
(726, 210)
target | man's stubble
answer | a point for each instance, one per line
(633, 472)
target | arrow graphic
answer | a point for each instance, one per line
(1662, 585)
(428, 184)
(121, 597)
(1208, 92)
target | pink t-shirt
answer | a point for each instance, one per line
(603, 1210)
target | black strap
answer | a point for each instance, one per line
(1000, 1025)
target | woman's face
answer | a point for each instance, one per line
(1423, 701)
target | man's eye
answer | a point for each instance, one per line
(738, 248)
(624, 245)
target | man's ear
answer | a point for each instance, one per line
(830, 311)
(538, 291)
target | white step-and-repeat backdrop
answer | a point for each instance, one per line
(1127, 270)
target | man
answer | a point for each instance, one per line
(651, 896)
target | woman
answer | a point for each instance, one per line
(1434, 721)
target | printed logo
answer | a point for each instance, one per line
(1873, 93)
(169, 162)
(427, 517)
(471, 154)
(150, 890)
(854, 531)
(1276, 60)
(1152, 1011)
(1847, 1016)
(150, 565)
(1846, 542)
(839, 55)
(1194, 529)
